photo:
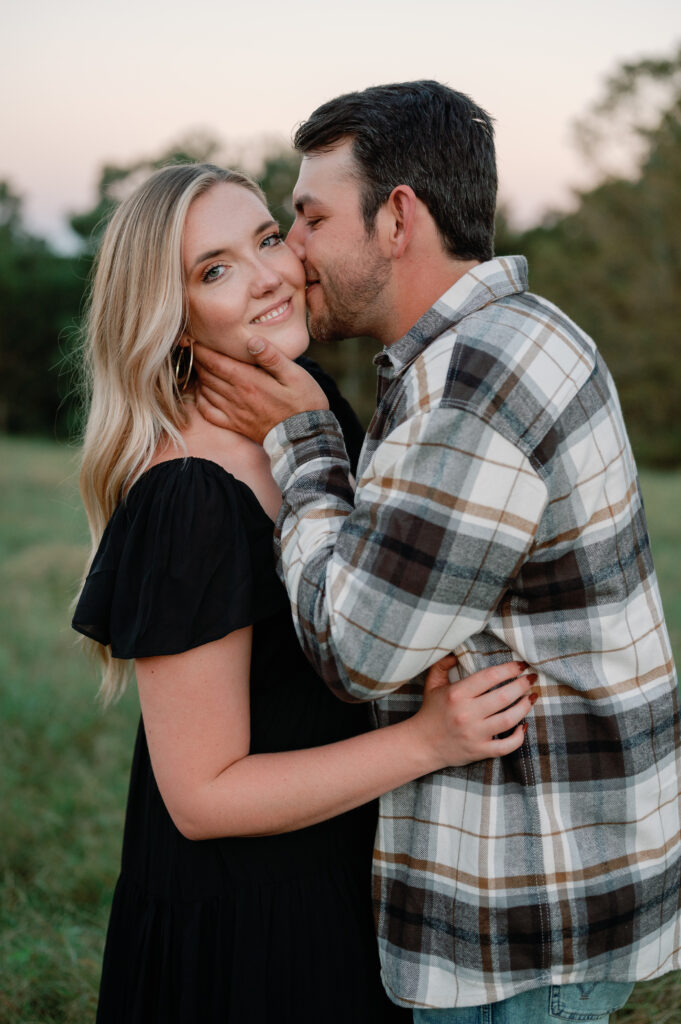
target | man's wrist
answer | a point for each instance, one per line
(303, 427)
(302, 438)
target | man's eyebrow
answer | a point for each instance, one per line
(220, 252)
(306, 199)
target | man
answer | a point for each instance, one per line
(497, 515)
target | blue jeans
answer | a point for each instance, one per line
(592, 1001)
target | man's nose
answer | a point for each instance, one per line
(294, 239)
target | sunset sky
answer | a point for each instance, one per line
(87, 82)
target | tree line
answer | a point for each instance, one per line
(613, 264)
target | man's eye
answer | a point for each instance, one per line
(213, 273)
(273, 239)
(312, 222)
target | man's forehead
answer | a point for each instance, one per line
(324, 169)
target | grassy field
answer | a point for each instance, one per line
(64, 764)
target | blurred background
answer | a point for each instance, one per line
(587, 100)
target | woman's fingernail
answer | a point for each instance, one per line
(533, 698)
(526, 726)
(255, 345)
(533, 678)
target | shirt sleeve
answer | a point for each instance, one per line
(352, 429)
(386, 580)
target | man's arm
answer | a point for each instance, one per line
(387, 579)
(384, 583)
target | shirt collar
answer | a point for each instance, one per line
(485, 283)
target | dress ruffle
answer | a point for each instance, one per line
(185, 560)
(240, 957)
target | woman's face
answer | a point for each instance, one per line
(242, 280)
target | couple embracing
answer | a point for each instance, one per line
(484, 545)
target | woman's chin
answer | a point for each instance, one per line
(293, 344)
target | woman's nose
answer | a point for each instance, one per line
(265, 279)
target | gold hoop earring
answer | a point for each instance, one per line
(182, 375)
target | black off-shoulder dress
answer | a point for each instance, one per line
(266, 930)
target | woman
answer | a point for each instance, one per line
(266, 917)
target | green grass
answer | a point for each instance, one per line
(662, 499)
(64, 764)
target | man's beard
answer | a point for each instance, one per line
(351, 298)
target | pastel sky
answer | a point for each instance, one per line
(88, 81)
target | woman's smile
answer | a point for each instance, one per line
(280, 312)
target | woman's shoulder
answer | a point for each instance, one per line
(193, 496)
(192, 505)
(184, 559)
(179, 474)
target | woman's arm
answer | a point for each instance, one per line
(196, 716)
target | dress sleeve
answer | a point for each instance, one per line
(185, 560)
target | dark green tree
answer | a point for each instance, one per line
(614, 264)
(277, 178)
(116, 180)
(40, 294)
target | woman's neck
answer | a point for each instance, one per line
(238, 455)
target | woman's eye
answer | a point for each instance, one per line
(213, 273)
(273, 239)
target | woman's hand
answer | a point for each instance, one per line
(463, 721)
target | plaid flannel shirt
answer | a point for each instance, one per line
(497, 514)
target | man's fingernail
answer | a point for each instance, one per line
(255, 345)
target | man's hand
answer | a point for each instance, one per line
(251, 399)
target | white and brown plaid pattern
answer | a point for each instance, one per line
(497, 514)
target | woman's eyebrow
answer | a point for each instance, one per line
(207, 256)
(271, 223)
(220, 252)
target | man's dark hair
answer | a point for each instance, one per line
(427, 136)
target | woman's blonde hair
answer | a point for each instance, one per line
(136, 316)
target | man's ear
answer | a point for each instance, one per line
(401, 209)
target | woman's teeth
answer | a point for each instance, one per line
(272, 313)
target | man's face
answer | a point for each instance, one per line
(346, 270)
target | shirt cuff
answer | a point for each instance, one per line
(302, 439)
